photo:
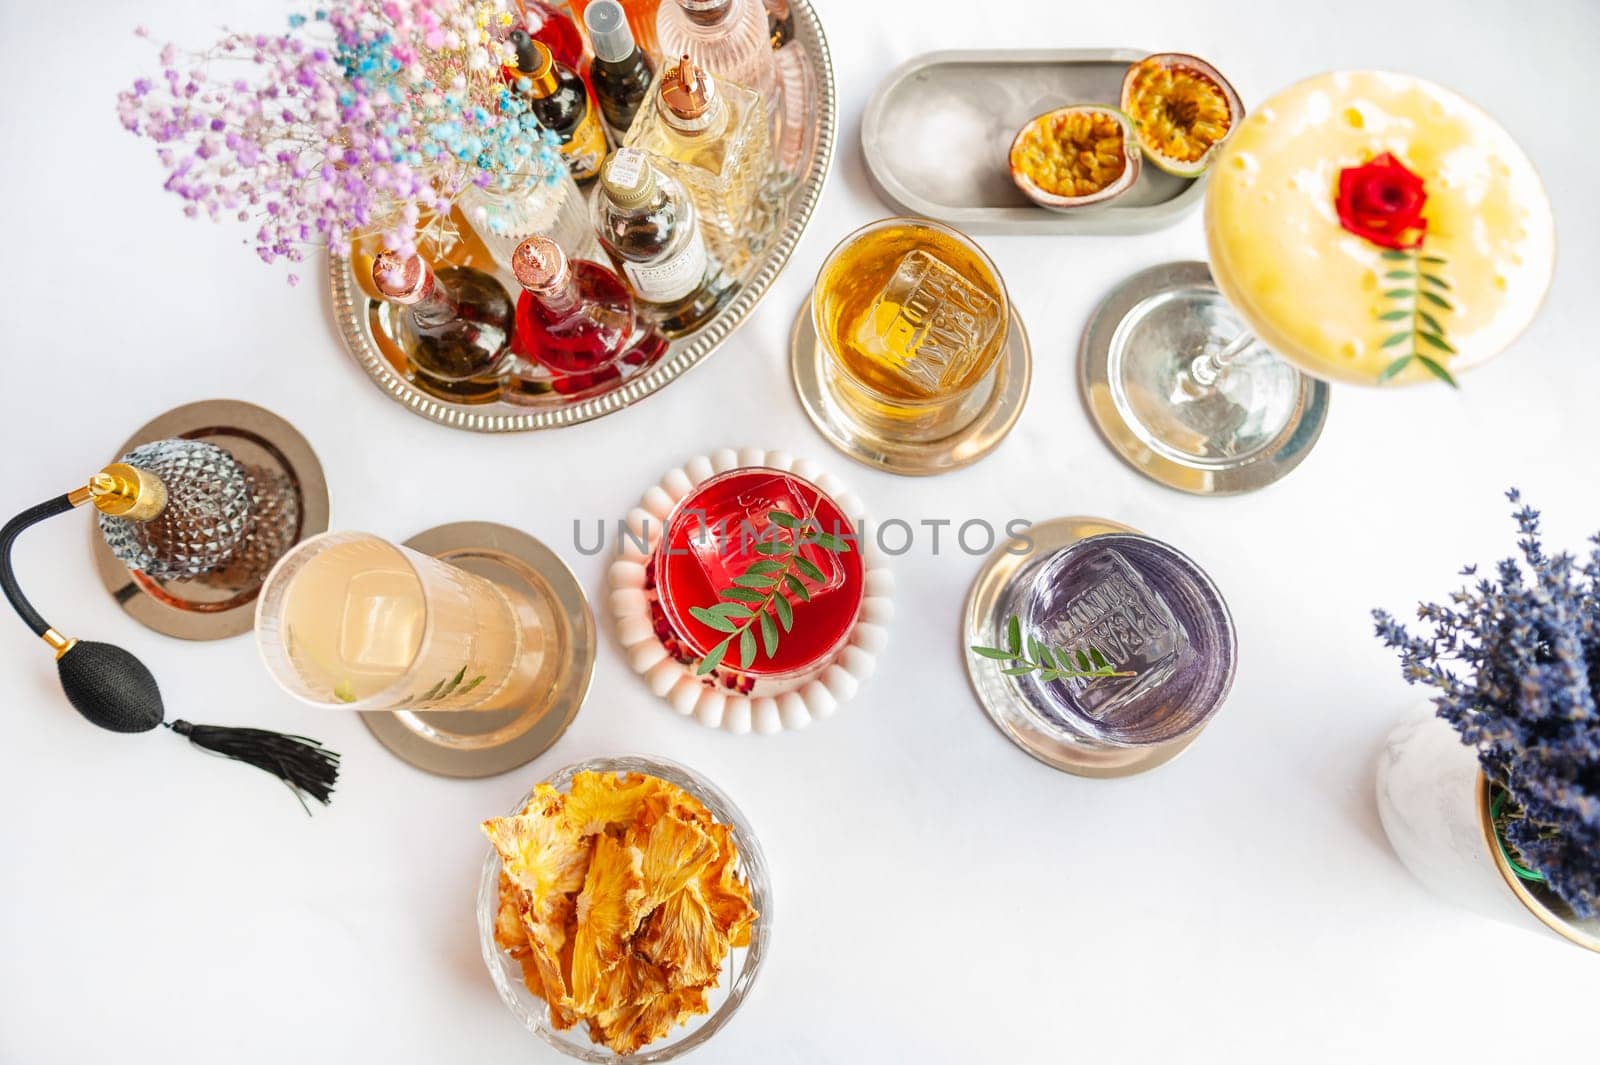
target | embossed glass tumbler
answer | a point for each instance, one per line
(1152, 614)
(912, 317)
(347, 620)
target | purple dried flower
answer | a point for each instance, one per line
(355, 121)
(1530, 644)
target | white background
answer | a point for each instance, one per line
(941, 897)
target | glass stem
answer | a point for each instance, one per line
(1209, 366)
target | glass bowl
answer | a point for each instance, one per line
(738, 970)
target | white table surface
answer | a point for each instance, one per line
(941, 897)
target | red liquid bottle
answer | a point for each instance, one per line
(556, 31)
(575, 318)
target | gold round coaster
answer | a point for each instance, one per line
(1133, 369)
(983, 626)
(214, 606)
(1013, 372)
(483, 743)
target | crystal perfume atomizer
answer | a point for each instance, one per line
(170, 509)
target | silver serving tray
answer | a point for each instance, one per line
(938, 130)
(807, 152)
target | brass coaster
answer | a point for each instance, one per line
(214, 606)
(1014, 371)
(983, 627)
(1260, 421)
(482, 743)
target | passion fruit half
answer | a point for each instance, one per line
(1182, 110)
(1075, 156)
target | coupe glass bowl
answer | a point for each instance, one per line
(738, 971)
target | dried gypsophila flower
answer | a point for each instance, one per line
(365, 118)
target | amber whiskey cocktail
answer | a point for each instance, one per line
(912, 317)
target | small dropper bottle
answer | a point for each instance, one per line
(621, 70)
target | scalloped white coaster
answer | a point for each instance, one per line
(703, 698)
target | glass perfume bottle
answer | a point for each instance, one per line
(514, 207)
(732, 40)
(175, 509)
(572, 317)
(646, 223)
(560, 101)
(457, 321)
(711, 135)
(621, 72)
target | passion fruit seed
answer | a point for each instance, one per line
(1077, 153)
(1181, 112)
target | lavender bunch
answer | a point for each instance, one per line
(1527, 643)
(364, 120)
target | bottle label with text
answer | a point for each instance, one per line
(673, 278)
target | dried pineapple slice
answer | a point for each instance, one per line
(598, 801)
(539, 853)
(681, 937)
(627, 1030)
(609, 910)
(675, 850)
(726, 894)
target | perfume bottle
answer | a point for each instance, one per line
(560, 101)
(572, 317)
(647, 225)
(554, 29)
(711, 135)
(731, 39)
(621, 72)
(174, 509)
(514, 207)
(456, 322)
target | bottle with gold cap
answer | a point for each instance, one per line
(455, 323)
(711, 135)
(647, 224)
(560, 101)
(174, 509)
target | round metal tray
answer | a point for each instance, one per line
(807, 70)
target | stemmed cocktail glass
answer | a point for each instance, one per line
(1362, 226)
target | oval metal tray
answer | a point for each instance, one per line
(807, 153)
(982, 98)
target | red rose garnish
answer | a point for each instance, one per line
(1381, 201)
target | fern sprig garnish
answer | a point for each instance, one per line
(1419, 292)
(1059, 664)
(758, 600)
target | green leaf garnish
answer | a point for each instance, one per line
(759, 599)
(1438, 371)
(1049, 665)
(1422, 328)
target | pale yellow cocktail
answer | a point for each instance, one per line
(1460, 286)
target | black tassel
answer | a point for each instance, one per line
(306, 766)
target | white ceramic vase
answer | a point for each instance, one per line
(1433, 802)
